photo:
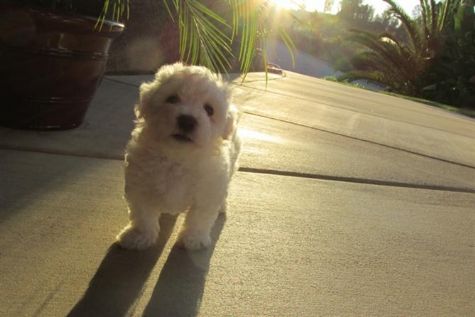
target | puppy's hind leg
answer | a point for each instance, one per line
(142, 230)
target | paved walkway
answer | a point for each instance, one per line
(347, 203)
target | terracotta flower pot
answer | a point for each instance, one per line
(50, 66)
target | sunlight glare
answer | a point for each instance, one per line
(252, 134)
(308, 5)
(318, 5)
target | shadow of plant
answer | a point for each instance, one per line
(120, 278)
(181, 283)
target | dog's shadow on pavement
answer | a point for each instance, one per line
(120, 279)
(180, 286)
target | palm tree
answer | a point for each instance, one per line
(399, 64)
(206, 37)
(452, 76)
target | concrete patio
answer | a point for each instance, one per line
(347, 203)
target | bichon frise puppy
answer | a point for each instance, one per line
(181, 155)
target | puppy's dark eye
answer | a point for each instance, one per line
(173, 99)
(209, 110)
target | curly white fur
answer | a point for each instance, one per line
(181, 155)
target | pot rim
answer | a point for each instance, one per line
(73, 22)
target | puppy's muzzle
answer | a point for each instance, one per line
(186, 124)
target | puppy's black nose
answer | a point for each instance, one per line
(186, 123)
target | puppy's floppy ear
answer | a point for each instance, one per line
(232, 119)
(146, 91)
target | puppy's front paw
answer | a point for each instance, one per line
(194, 240)
(137, 238)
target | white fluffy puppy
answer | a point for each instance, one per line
(181, 155)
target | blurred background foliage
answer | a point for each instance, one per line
(427, 53)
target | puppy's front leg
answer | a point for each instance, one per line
(142, 230)
(203, 213)
(197, 227)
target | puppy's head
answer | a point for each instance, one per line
(186, 106)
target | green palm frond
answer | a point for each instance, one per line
(423, 4)
(388, 57)
(114, 10)
(394, 53)
(376, 62)
(373, 62)
(411, 28)
(246, 23)
(449, 7)
(433, 19)
(392, 38)
(446, 5)
(203, 38)
(252, 25)
(288, 43)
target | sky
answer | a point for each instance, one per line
(378, 5)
